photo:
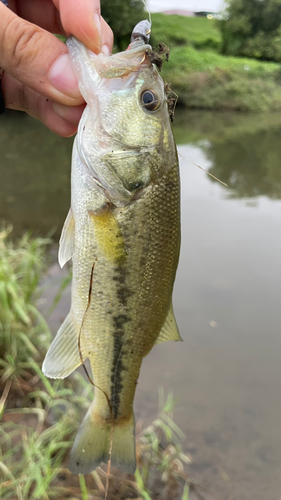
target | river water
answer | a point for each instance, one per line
(226, 375)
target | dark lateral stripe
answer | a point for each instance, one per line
(118, 366)
(123, 293)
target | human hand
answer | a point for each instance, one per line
(38, 77)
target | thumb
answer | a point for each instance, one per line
(37, 59)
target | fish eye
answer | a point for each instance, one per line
(150, 100)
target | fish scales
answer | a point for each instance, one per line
(140, 290)
(123, 235)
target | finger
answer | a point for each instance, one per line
(43, 13)
(71, 114)
(37, 58)
(62, 120)
(82, 19)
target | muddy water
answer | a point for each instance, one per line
(227, 373)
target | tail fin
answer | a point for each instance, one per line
(92, 444)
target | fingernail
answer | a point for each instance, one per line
(105, 49)
(97, 23)
(98, 26)
(62, 77)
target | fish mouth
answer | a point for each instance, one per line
(123, 63)
(129, 61)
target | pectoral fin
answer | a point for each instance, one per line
(169, 330)
(66, 245)
(63, 356)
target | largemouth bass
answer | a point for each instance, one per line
(123, 235)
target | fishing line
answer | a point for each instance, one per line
(86, 36)
(206, 171)
(91, 381)
(149, 14)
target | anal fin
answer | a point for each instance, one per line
(63, 356)
(169, 330)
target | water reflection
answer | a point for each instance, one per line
(243, 150)
(249, 163)
(34, 175)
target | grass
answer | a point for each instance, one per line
(204, 79)
(35, 438)
(39, 417)
(198, 32)
(23, 330)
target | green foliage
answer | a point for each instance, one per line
(208, 80)
(198, 32)
(252, 28)
(35, 433)
(122, 16)
(160, 454)
(39, 417)
(21, 325)
(32, 453)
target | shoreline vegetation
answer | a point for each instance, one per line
(39, 417)
(203, 78)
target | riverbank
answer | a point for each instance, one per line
(203, 78)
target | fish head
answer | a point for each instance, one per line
(125, 135)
